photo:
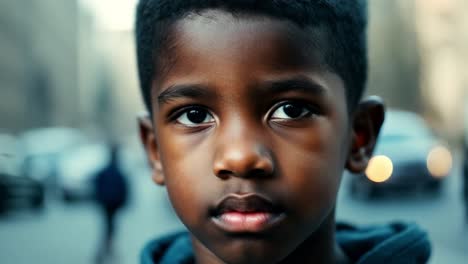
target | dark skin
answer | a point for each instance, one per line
(247, 107)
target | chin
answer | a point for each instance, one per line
(244, 259)
(247, 252)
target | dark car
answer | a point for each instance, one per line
(42, 149)
(408, 157)
(18, 192)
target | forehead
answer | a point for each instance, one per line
(236, 48)
(234, 54)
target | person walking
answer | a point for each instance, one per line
(111, 192)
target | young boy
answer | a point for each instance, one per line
(255, 111)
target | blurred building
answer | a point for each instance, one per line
(108, 71)
(393, 54)
(38, 55)
(418, 51)
(58, 67)
(442, 27)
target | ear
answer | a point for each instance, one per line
(148, 138)
(367, 121)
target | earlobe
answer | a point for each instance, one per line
(157, 174)
(367, 121)
(357, 160)
(148, 139)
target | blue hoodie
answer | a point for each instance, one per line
(390, 244)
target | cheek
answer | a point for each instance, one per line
(184, 158)
(311, 182)
(311, 169)
(186, 163)
(187, 202)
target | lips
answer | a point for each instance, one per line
(247, 213)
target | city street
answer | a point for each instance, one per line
(80, 78)
(64, 233)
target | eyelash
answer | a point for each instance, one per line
(174, 114)
(314, 110)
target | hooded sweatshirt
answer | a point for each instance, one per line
(391, 244)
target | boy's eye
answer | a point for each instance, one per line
(291, 111)
(194, 116)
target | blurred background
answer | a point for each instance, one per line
(69, 90)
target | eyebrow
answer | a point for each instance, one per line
(295, 84)
(183, 90)
(197, 91)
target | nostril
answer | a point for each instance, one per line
(244, 163)
(254, 173)
(258, 173)
(224, 174)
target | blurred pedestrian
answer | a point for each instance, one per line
(111, 192)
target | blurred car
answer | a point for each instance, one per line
(16, 191)
(20, 192)
(79, 166)
(42, 149)
(8, 154)
(407, 157)
(77, 169)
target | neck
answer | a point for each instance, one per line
(320, 247)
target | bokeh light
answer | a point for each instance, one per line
(439, 161)
(379, 169)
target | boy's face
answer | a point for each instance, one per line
(251, 135)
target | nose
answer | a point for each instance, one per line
(243, 155)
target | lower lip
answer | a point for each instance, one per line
(251, 222)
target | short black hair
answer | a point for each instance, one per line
(344, 21)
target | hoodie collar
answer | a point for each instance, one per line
(392, 243)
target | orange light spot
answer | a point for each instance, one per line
(379, 169)
(439, 161)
